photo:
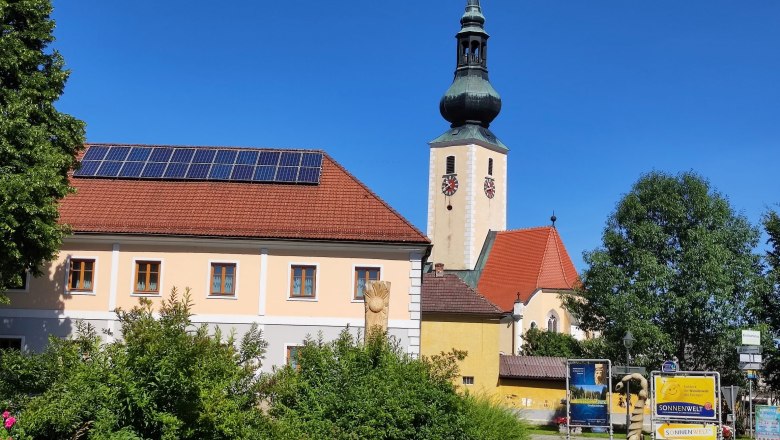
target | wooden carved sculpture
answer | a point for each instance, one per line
(377, 298)
(634, 430)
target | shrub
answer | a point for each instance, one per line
(165, 380)
(487, 420)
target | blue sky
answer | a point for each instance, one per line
(595, 92)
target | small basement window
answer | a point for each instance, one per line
(468, 380)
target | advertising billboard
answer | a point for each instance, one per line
(685, 397)
(589, 393)
(686, 431)
(767, 422)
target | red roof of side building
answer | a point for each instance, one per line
(524, 261)
(449, 294)
(340, 207)
(532, 367)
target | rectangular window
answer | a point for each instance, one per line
(362, 276)
(304, 282)
(147, 277)
(468, 380)
(21, 285)
(292, 356)
(10, 343)
(82, 272)
(223, 279)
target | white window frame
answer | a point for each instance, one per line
(558, 324)
(26, 289)
(287, 345)
(23, 339)
(471, 378)
(92, 292)
(232, 297)
(316, 282)
(352, 283)
(159, 280)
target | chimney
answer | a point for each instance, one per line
(439, 269)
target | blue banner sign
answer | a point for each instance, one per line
(589, 394)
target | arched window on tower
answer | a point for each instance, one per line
(475, 51)
(490, 167)
(450, 165)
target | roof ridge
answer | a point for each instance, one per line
(541, 260)
(232, 147)
(530, 228)
(379, 199)
(558, 252)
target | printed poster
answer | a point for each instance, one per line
(686, 431)
(767, 422)
(588, 394)
(689, 397)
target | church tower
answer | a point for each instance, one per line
(468, 164)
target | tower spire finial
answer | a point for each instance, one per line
(471, 99)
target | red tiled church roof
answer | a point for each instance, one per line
(524, 261)
(339, 208)
(449, 294)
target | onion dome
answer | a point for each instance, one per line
(471, 99)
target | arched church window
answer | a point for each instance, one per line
(552, 324)
(450, 165)
(490, 167)
(533, 325)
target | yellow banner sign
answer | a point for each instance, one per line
(689, 397)
(686, 431)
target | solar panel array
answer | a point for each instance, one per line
(188, 163)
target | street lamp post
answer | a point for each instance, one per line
(628, 342)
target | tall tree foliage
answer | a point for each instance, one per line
(538, 342)
(677, 268)
(770, 304)
(37, 142)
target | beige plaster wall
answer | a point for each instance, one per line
(458, 234)
(538, 309)
(188, 266)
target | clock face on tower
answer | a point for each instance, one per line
(490, 187)
(449, 185)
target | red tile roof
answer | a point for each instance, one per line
(524, 261)
(339, 208)
(532, 367)
(449, 294)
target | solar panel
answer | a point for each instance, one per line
(226, 156)
(204, 156)
(220, 171)
(139, 154)
(154, 169)
(264, 174)
(198, 171)
(247, 157)
(109, 168)
(183, 155)
(117, 153)
(176, 170)
(88, 168)
(161, 155)
(192, 163)
(242, 172)
(131, 169)
(96, 153)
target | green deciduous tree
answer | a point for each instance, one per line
(37, 142)
(769, 306)
(538, 342)
(677, 267)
